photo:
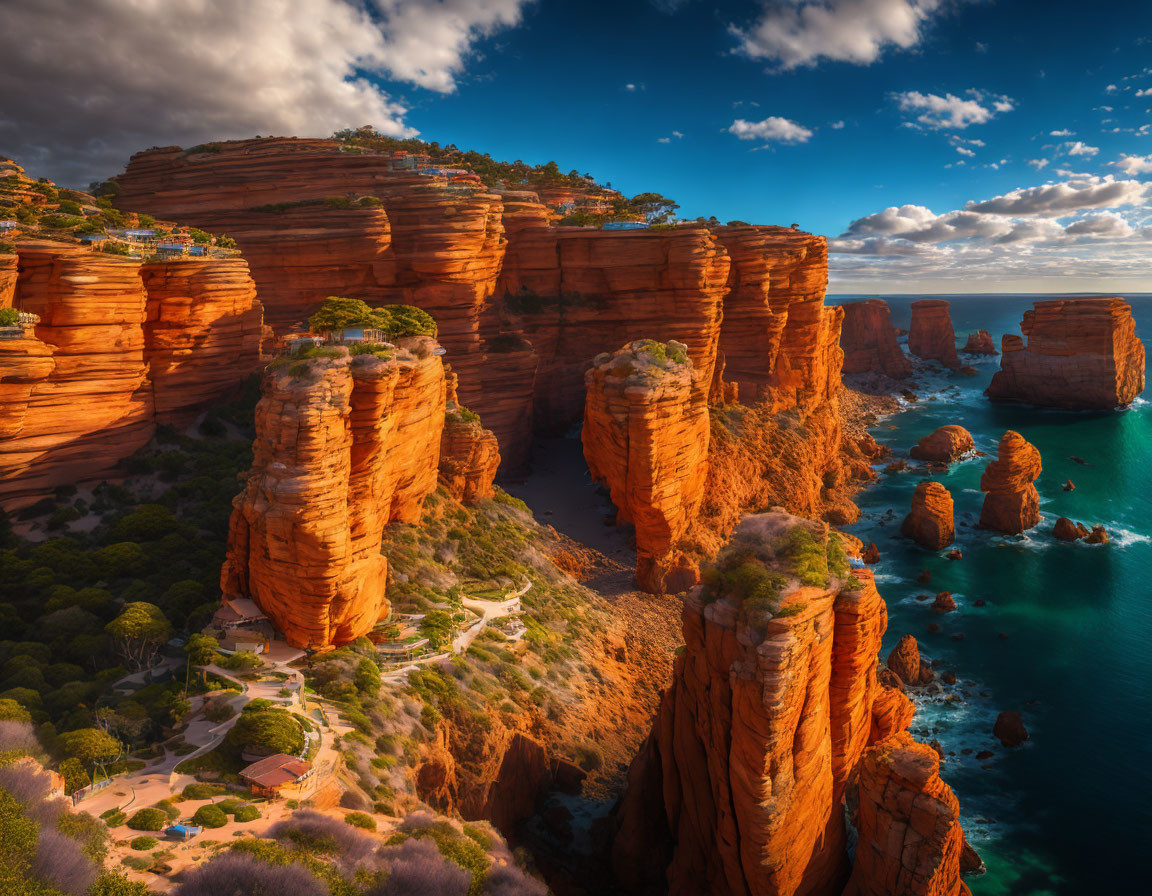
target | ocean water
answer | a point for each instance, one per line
(1071, 810)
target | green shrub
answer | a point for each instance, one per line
(114, 817)
(267, 731)
(136, 863)
(143, 843)
(202, 791)
(360, 820)
(210, 816)
(240, 661)
(9, 317)
(148, 820)
(247, 813)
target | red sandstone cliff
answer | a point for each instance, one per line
(869, 341)
(775, 336)
(469, 453)
(1011, 502)
(109, 358)
(908, 823)
(342, 449)
(645, 435)
(202, 332)
(1080, 354)
(930, 335)
(930, 523)
(739, 787)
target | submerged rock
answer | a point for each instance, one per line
(1009, 729)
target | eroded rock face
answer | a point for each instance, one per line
(469, 453)
(738, 788)
(522, 306)
(930, 524)
(202, 332)
(980, 343)
(1011, 502)
(778, 339)
(869, 340)
(1079, 354)
(95, 406)
(908, 822)
(930, 335)
(944, 445)
(904, 661)
(340, 451)
(645, 436)
(109, 359)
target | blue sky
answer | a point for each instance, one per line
(943, 145)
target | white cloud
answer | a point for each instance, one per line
(1077, 148)
(677, 134)
(1145, 92)
(837, 125)
(1038, 163)
(1132, 165)
(663, 139)
(1063, 132)
(1104, 224)
(1061, 199)
(1053, 231)
(949, 111)
(117, 76)
(803, 32)
(773, 129)
(964, 151)
(1111, 88)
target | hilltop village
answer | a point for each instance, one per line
(379, 516)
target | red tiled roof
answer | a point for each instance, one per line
(274, 771)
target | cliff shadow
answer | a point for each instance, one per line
(558, 488)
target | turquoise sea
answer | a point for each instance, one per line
(1071, 810)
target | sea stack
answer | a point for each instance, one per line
(930, 335)
(980, 343)
(1080, 354)
(943, 445)
(869, 340)
(930, 524)
(645, 436)
(1011, 503)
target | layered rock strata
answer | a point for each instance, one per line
(930, 335)
(342, 448)
(1011, 502)
(739, 787)
(776, 332)
(645, 435)
(523, 306)
(118, 348)
(930, 523)
(869, 341)
(908, 824)
(469, 453)
(943, 445)
(202, 332)
(1080, 354)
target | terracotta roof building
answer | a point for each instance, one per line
(270, 774)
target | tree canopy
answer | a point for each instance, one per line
(395, 321)
(139, 632)
(90, 745)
